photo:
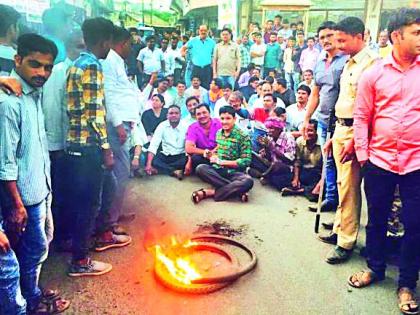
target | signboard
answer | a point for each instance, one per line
(228, 15)
(33, 9)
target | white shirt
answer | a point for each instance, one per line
(152, 60)
(188, 121)
(122, 97)
(177, 55)
(169, 57)
(294, 117)
(169, 99)
(201, 93)
(138, 135)
(219, 104)
(259, 49)
(172, 139)
(54, 106)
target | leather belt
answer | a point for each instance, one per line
(348, 122)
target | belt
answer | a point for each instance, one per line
(202, 67)
(348, 122)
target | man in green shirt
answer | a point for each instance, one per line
(272, 55)
(231, 156)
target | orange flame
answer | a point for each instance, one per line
(177, 262)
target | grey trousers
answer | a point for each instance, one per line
(226, 184)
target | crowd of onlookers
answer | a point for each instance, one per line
(83, 111)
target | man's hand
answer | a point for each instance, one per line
(305, 129)
(135, 163)
(122, 134)
(263, 140)
(16, 221)
(4, 243)
(328, 148)
(11, 85)
(108, 158)
(214, 159)
(347, 152)
(153, 78)
(188, 168)
(150, 170)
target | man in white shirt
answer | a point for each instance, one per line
(150, 59)
(295, 113)
(197, 90)
(169, 58)
(179, 60)
(170, 134)
(123, 105)
(224, 101)
(266, 88)
(190, 104)
(162, 88)
(258, 51)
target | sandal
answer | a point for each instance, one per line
(410, 303)
(49, 295)
(356, 280)
(196, 197)
(55, 306)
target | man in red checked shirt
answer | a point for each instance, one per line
(387, 143)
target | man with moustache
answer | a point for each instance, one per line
(323, 97)
(25, 182)
(201, 137)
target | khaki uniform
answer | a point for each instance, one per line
(347, 219)
(228, 58)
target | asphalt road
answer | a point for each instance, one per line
(291, 276)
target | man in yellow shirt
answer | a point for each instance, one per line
(349, 35)
(385, 47)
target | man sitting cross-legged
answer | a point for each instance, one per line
(231, 157)
(273, 163)
(171, 134)
(201, 138)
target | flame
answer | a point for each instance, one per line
(177, 262)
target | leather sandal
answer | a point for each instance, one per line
(196, 197)
(411, 303)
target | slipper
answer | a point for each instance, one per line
(363, 283)
(196, 198)
(287, 191)
(245, 197)
(411, 302)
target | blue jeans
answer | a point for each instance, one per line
(20, 269)
(228, 79)
(331, 193)
(293, 80)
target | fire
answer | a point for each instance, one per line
(176, 261)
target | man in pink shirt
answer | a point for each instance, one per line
(387, 143)
(309, 56)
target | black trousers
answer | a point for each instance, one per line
(198, 159)
(279, 178)
(379, 188)
(227, 184)
(167, 164)
(204, 73)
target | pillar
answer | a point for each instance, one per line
(373, 16)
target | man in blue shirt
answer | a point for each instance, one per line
(25, 182)
(201, 49)
(327, 74)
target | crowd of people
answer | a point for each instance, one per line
(82, 111)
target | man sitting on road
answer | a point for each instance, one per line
(201, 138)
(171, 135)
(232, 156)
(190, 105)
(296, 112)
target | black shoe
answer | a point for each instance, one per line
(328, 225)
(338, 255)
(330, 238)
(328, 206)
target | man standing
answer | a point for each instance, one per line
(324, 95)
(231, 158)
(54, 105)
(349, 35)
(200, 48)
(122, 114)
(227, 59)
(272, 55)
(136, 45)
(179, 61)
(88, 148)
(387, 142)
(168, 57)
(258, 51)
(150, 60)
(171, 135)
(244, 49)
(385, 48)
(201, 137)
(9, 18)
(25, 181)
(309, 56)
